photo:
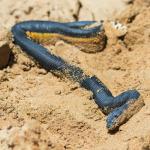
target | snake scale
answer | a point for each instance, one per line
(87, 34)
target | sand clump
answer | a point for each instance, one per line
(39, 110)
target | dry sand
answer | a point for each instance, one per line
(41, 111)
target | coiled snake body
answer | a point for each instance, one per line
(27, 34)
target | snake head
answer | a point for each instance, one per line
(123, 113)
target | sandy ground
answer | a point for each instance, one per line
(41, 111)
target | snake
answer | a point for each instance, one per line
(90, 37)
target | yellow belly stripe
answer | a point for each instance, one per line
(41, 37)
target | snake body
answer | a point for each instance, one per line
(27, 35)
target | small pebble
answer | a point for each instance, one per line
(58, 92)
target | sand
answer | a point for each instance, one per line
(39, 110)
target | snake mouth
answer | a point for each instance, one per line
(123, 113)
